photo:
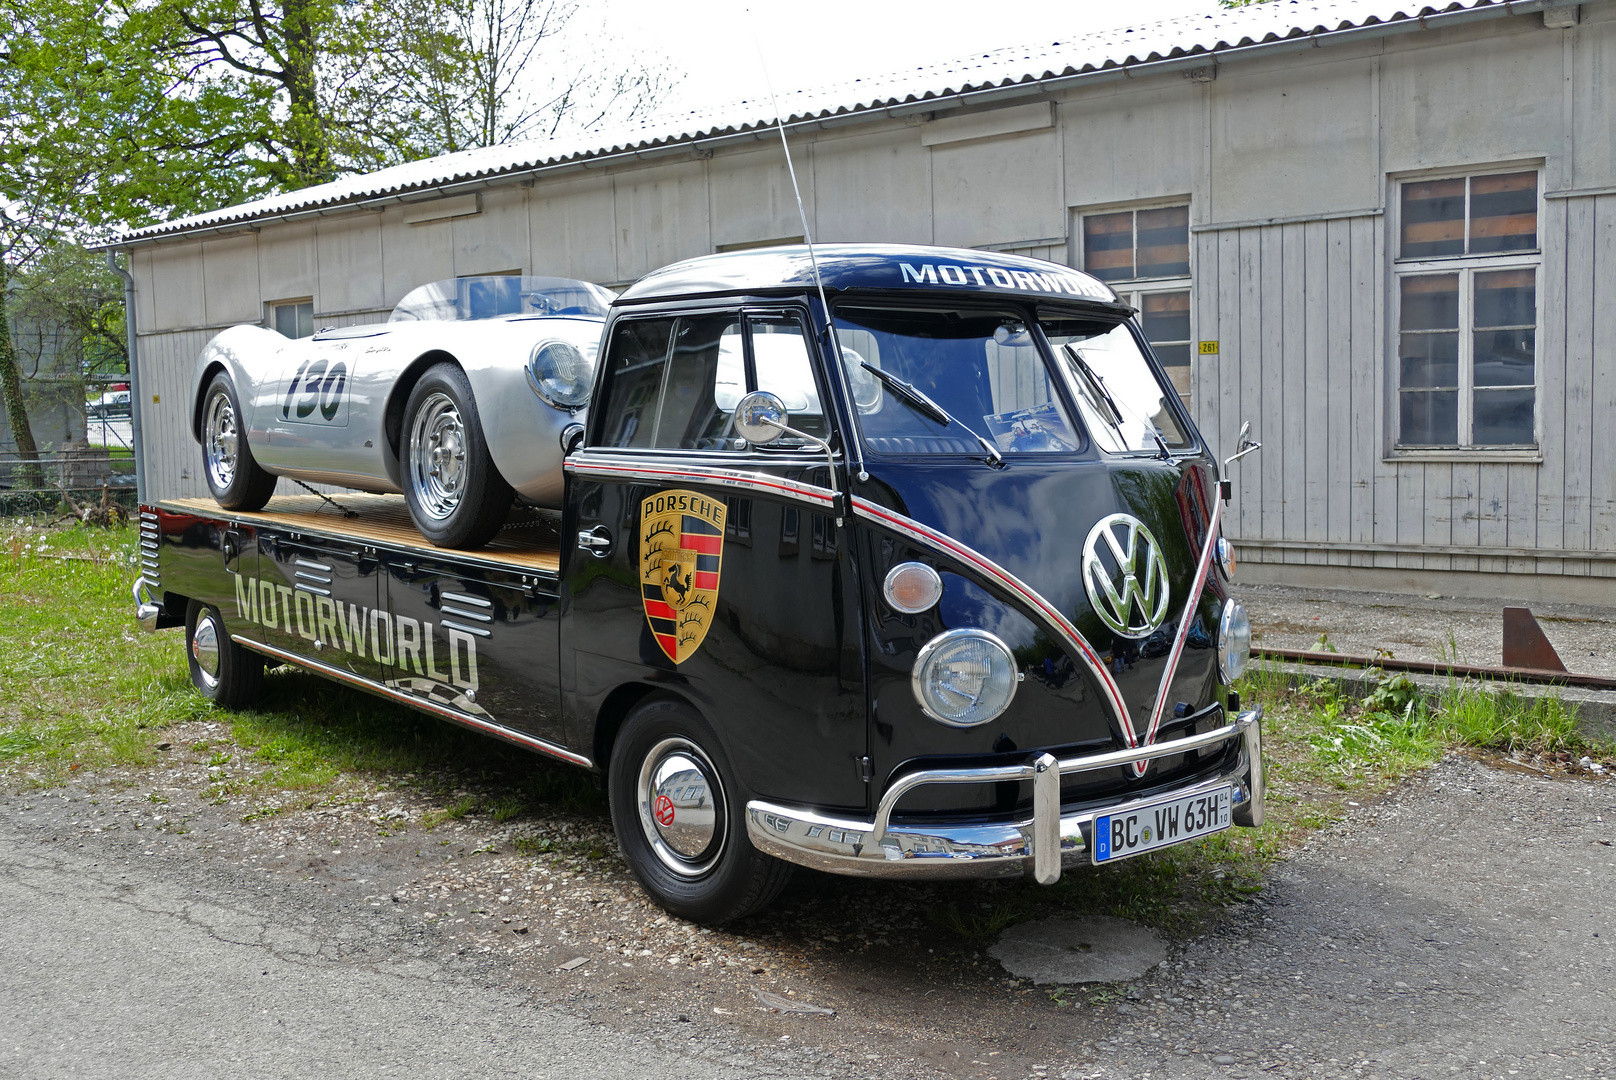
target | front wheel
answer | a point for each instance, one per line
(234, 476)
(226, 673)
(681, 821)
(455, 495)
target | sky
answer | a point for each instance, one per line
(714, 42)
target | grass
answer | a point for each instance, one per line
(82, 686)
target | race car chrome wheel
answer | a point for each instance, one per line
(437, 456)
(219, 441)
(234, 476)
(455, 495)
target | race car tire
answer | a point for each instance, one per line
(456, 496)
(234, 476)
(680, 818)
(226, 673)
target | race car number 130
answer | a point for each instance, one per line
(1159, 825)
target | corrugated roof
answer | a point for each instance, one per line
(999, 74)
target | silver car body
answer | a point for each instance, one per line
(329, 409)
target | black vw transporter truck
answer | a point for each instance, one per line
(892, 561)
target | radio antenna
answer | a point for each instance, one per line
(857, 459)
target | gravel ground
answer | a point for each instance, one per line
(1444, 931)
(1422, 627)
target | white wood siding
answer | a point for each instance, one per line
(1289, 163)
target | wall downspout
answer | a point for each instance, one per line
(137, 403)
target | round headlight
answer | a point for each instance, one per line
(1234, 641)
(965, 677)
(1223, 551)
(560, 374)
(912, 587)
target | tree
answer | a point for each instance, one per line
(484, 72)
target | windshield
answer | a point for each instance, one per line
(981, 367)
(1123, 405)
(467, 298)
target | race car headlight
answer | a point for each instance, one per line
(965, 677)
(560, 374)
(1234, 641)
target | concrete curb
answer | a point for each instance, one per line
(1596, 709)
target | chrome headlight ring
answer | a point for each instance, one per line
(965, 677)
(1234, 641)
(560, 374)
(1223, 552)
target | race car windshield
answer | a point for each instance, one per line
(503, 296)
(982, 369)
(1123, 404)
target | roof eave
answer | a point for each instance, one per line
(1039, 87)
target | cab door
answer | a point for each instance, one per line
(715, 568)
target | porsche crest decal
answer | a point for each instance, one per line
(681, 546)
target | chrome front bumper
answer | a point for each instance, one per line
(1043, 845)
(147, 610)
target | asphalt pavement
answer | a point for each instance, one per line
(122, 965)
(1461, 927)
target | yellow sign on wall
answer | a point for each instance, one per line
(1209, 348)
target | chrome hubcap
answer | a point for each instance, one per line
(220, 440)
(681, 805)
(205, 649)
(437, 456)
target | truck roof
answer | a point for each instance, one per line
(899, 267)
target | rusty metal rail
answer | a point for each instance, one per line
(1429, 667)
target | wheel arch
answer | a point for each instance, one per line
(204, 379)
(398, 397)
(615, 709)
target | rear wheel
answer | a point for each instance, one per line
(681, 821)
(234, 475)
(456, 496)
(226, 673)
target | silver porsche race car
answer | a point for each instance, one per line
(458, 401)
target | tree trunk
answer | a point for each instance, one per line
(26, 474)
(311, 152)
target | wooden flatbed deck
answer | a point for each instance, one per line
(532, 545)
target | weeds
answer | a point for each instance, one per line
(453, 812)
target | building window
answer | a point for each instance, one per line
(1467, 312)
(293, 319)
(1144, 255)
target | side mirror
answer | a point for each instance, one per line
(1243, 446)
(760, 418)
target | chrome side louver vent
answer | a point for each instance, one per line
(150, 535)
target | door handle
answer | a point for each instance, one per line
(596, 541)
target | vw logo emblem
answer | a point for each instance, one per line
(1132, 599)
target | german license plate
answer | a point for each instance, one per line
(1159, 825)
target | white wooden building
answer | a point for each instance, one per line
(1385, 234)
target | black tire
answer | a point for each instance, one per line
(234, 476)
(728, 878)
(237, 678)
(455, 495)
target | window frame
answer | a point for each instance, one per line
(742, 313)
(272, 310)
(1466, 266)
(1132, 290)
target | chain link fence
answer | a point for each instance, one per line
(98, 482)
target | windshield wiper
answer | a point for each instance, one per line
(1093, 379)
(927, 407)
